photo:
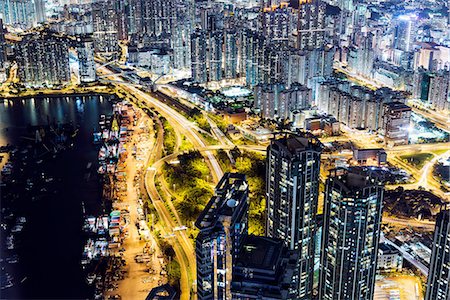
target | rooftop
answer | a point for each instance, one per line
(230, 196)
(387, 249)
(355, 178)
(260, 252)
(295, 143)
(397, 105)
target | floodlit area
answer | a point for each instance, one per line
(402, 287)
(421, 130)
(236, 91)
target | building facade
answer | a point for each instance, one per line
(105, 23)
(396, 122)
(350, 237)
(86, 63)
(292, 188)
(198, 57)
(43, 59)
(20, 13)
(223, 226)
(439, 272)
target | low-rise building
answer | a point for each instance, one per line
(389, 259)
(370, 156)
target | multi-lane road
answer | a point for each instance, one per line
(181, 243)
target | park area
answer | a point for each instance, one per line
(417, 160)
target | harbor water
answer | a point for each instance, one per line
(50, 245)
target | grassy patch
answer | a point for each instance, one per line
(186, 145)
(417, 160)
(439, 152)
(169, 136)
(220, 122)
(195, 115)
(190, 181)
(174, 273)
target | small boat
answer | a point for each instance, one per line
(10, 242)
(17, 228)
(13, 259)
(90, 278)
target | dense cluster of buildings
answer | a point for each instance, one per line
(36, 53)
(382, 110)
(43, 59)
(22, 13)
(231, 264)
(271, 45)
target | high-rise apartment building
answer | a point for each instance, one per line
(2, 44)
(350, 236)
(311, 24)
(439, 272)
(86, 62)
(223, 226)
(198, 57)
(215, 60)
(158, 17)
(105, 26)
(439, 90)
(251, 52)
(19, 13)
(433, 88)
(276, 23)
(292, 188)
(181, 34)
(43, 59)
(230, 54)
(275, 101)
(39, 6)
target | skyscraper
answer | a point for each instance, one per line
(2, 45)
(230, 54)
(223, 226)
(198, 57)
(276, 23)
(158, 17)
(439, 273)
(439, 90)
(86, 63)
(396, 122)
(106, 26)
(215, 56)
(351, 232)
(404, 32)
(252, 54)
(181, 34)
(292, 175)
(39, 6)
